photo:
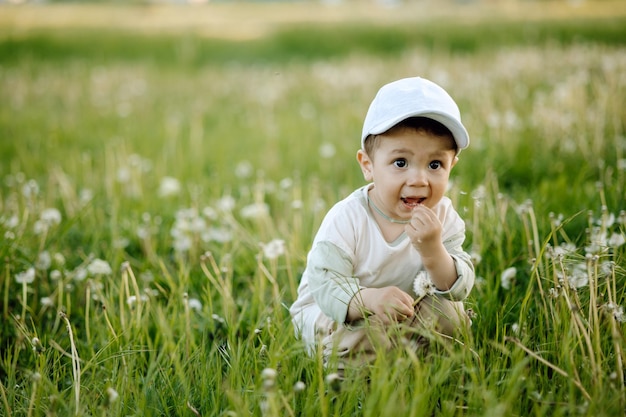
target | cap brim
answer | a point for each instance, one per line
(461, 137)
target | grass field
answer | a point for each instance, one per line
(164, 170)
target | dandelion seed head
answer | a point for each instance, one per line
(244, 169)
(25, 277)
(99, 267)
(79, 274)
(169, 187)
(508, 277)
(299, 386)
(112, 395)
(273, 249)
(616, 240)
(327, 150)
(285, 183)
(210, 213)
(268, 376)
(44, 261)
(226, 204)
(59, 259)
(195, 304)
(255, 211)
(422, 285)
(333, 381)
(30, 189)
(50, 216)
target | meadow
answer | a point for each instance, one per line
(159, 191)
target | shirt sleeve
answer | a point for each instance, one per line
(464, 268)
(329, 272)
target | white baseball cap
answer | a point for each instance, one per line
(411, 97)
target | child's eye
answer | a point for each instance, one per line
(400, 163)
(435, 165)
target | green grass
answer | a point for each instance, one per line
(91, 122)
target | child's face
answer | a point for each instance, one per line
(408, 168)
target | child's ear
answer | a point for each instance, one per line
(366, 164)
(454, 161)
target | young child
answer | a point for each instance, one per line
(390, 255)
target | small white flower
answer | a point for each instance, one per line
(195, 304)
(85, 196)
(44, 261)
(273, 249)
(299, 386)
(26, 277)
(616, 240)
(30, 189)
(255, 211)
(285, 183)
(51, 216)
(112, 395)
(578, 276)
(476, 258)
(59, 259)
(244, 169)
(46, 302)
(99, 267)
(226, 204)
(12, 222)
(169, 187)
(508, 277)
(79, 274)
(217, 234)
(327, 150)
(422, 285)
(209, 213)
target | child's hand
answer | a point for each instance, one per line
(424, 230)
(390, 304)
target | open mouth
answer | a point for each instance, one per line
(413, 201)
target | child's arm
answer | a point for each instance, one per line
(425, 231)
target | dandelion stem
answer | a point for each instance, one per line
(5, 304)
(549, 365)
(75, 364)
(87, 308)
(33, 396)
(5, 401)
(24, 301)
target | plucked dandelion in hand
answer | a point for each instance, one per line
(423, 286)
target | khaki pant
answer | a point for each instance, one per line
(357, 343)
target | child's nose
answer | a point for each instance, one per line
(418, 177)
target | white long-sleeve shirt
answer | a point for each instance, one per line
(349, 252)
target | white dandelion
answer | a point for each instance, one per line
(99, 267)
(273, 249)
(422, 285)
(508, 277)
(255, 211)
(25, 277)
(169, 187)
